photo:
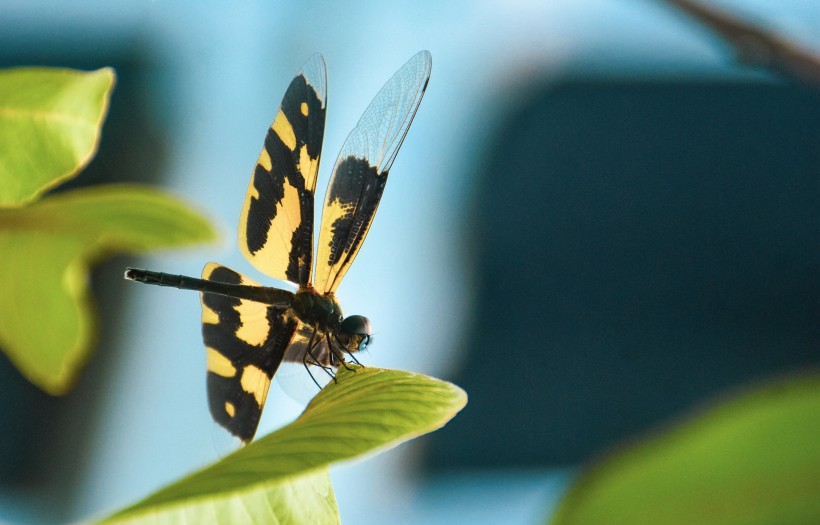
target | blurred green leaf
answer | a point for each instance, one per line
(47, 318)
(49, 127)
(367, 409)
(754, 459)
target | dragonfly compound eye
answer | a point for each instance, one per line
(354, 333)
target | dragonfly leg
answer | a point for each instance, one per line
(310, 359)
(344, 350)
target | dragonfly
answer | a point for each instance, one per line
(248, 329)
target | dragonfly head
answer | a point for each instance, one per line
(354, 333)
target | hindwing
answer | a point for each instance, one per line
(245, 342)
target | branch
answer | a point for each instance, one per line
(754, 45)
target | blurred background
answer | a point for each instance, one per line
(600, 219)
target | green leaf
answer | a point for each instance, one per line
(47, 323)
(49, 127)
(752, 460)
(307, 499)
(367, 409)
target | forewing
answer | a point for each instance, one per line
(361, 170)
(276, 223)
(245, 343)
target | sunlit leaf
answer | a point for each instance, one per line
(49, 127)
(368, 409)
(307, 499)
(47, 323)
(752, 460)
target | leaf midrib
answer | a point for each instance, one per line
(47, 116)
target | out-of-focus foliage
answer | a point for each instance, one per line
(47, 323)
(754, 459)
(50, 123)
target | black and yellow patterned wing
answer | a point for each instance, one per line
(276, 223)
(361, 170)
(245, 343)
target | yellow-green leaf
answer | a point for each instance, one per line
(307, 499)
(368, 409)
(752, 460)
(50, 123)
(47, 323)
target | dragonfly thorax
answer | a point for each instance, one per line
(319, 311)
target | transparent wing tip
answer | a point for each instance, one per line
(224, 442)
(315, 73)
(424, 59)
